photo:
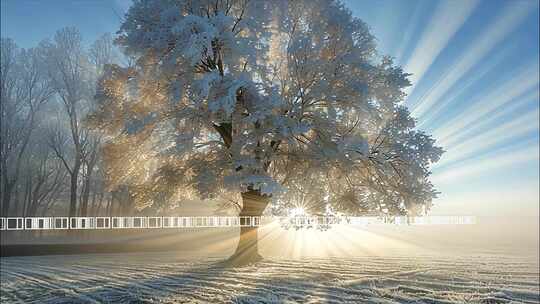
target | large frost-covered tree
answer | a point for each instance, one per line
(262, 100)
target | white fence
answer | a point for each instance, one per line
(14, 223)
(38, 223)
(168, 222)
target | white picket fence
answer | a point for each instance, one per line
(163, 222)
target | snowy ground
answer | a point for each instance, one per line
(493, 262)
(171, 278)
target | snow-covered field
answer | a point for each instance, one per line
(492, 262)
(174, 278)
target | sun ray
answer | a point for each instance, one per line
(475, 145)
(489, 163)
(448, 18)
(488, 122)
(504, 25)
(438, 109)
(407, 38)
(525, 80)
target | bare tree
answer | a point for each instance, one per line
(44, 179)
(101, 52)
(89, 165)
(68, 67)
(24, 89)
(28, 78)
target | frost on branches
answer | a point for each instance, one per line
(287, 99)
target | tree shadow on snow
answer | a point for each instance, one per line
(215, 283)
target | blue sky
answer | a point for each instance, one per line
(475, 84)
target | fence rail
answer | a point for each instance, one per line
(168, 222)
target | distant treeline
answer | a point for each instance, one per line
(50, 160)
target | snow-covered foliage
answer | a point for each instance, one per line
(282, 97)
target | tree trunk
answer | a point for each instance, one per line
(73, 193)
(253, 204)
(85, 196)
(93, 206)
(6, 200)
(16, 196)
(109, 205)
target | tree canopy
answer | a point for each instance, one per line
(287, 98)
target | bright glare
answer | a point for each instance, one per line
(297, 212)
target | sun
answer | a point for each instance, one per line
(298, 211)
